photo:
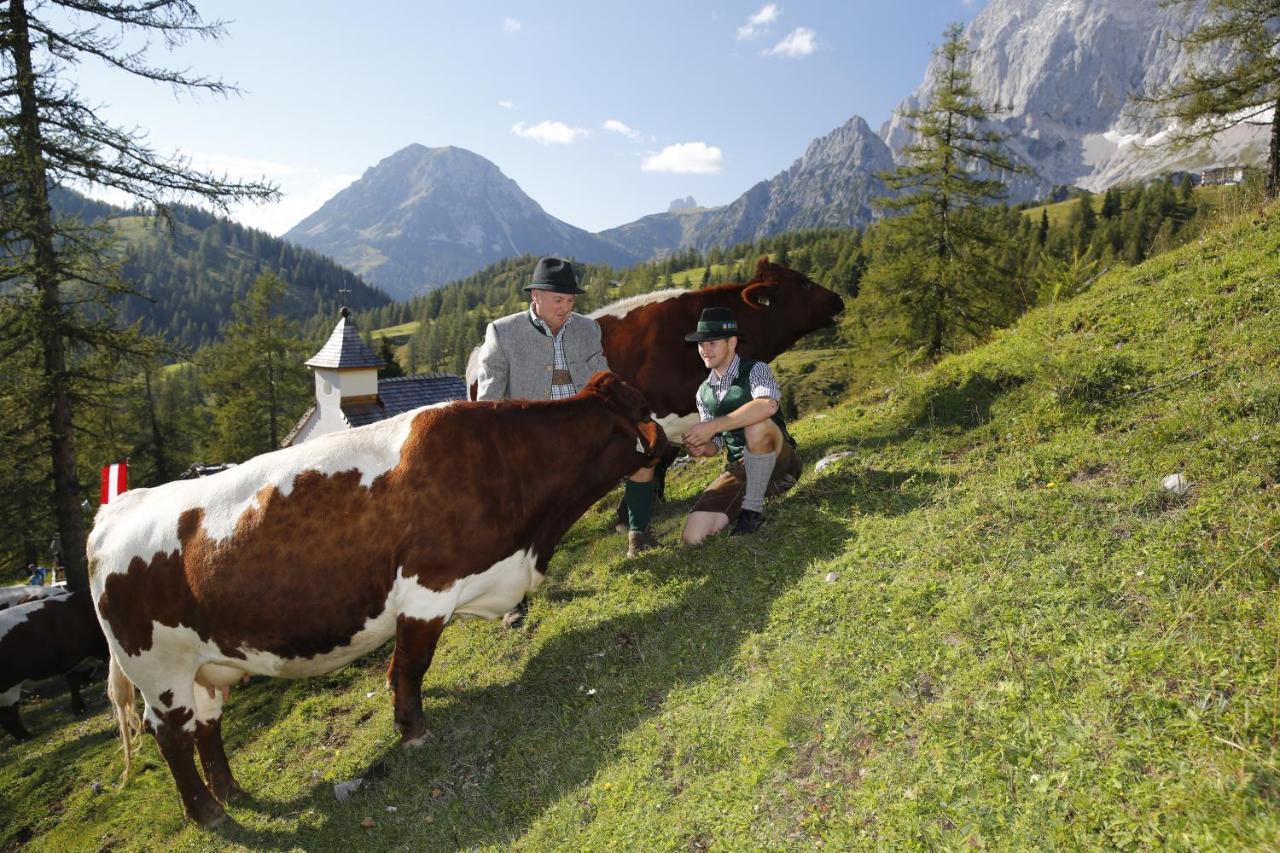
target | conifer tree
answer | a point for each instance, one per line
(940, 268)
(256, 379)
(52, 136)
(1217, 95)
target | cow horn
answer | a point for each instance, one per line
(758, 295)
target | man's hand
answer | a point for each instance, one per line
(701, 435)
(708, 449)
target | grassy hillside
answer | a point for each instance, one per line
(987, 626)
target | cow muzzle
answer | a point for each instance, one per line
(650, 439)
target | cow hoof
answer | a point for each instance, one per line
(232, 794)
(210, 816)
(416, 741)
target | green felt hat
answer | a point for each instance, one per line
(714, 324)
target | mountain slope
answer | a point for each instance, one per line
(989, 626)
(426, 216)
(1063, 73)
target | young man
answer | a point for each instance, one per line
(738, 406)
(548, 353)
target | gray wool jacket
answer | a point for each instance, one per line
(517, 357)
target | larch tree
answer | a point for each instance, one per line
(940, 268)
(58, 278)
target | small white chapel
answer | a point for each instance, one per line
(350, 394)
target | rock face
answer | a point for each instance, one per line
(1063, 72)
(831, 186)
(426, 216)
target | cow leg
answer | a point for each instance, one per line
(174, 730)
(76, 679)
(415, 646)
(213, 755)
(622, 516)
(9, 717)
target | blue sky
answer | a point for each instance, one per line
(601, 111)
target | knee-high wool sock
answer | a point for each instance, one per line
(759, 469)
(639, 498)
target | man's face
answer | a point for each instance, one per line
(553, 308)
(716, 355)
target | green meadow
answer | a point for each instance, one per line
(987, 625)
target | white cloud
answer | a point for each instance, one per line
(511, 25)
(619, 127)
(759, 22)
(685, 158)
(507, 105)
(549, 132)
(801, 41)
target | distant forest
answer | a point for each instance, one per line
(188, 272)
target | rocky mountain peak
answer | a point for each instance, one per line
(1062, 73)
(424, 216)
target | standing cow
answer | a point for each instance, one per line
(50, 636)
(644, 336)
(300, 561)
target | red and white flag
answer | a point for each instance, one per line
(115, 479)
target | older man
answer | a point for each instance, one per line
(738, 407)
(548, 353)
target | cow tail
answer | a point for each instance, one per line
(121, 692)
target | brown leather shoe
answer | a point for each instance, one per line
(639, 541)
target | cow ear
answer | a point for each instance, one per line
(759, 295)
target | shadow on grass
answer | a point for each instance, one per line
(964, 405)
(503, 754)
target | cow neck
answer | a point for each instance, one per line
(586, 475)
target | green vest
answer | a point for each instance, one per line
(739, 394)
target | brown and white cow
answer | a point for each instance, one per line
(297, 562)
(50, 636)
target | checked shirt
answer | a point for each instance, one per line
(560, 364)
